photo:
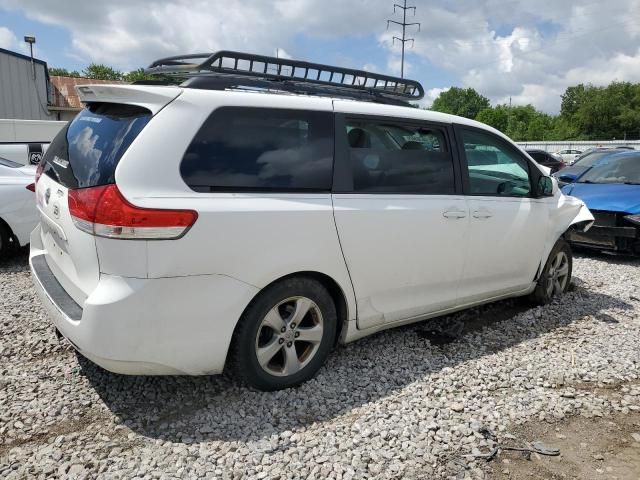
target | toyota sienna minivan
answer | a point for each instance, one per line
(255, 211)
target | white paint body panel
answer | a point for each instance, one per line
(504, 245)
(404, 256)
(171, 306)
(17, 204)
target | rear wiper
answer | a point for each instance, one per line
(586, 181)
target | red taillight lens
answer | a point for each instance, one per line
(39, 171)
(31, 186)
(104, 212)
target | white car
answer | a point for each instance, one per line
(18, 214)
(188, 229)
(568, 156)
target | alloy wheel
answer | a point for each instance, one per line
(289, 336)
(558, 274)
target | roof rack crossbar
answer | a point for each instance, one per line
(215, 82)
(244, 65)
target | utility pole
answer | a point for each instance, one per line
(404, 26)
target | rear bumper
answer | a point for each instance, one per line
(133, 326)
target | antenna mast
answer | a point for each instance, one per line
(404, 26)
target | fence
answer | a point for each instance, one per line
(578, 145)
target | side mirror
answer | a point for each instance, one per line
(545, 187)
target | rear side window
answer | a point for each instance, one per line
(86, 152)
(389, 157)
(261, 149)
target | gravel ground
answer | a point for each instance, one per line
(390, 406)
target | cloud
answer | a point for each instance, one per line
(430, 95)
(282, 53)
(8, 39)
(529, 51)
(553, 45)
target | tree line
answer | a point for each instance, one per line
(587, 112)
(97, 71)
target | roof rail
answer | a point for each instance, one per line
(244, 69)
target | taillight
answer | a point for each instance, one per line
(31, 186)
(39, 171)
(104, 212)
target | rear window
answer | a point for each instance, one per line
(86, 152)
(261, 149)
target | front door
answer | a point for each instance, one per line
(508, 226)
(400, 216)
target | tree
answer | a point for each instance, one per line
(572, 98)
(462, 102)
(497, 117)
(137, 75)
(63, 72)
(101, 72)
(600, 113)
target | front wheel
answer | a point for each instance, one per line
(285, 335)
(556, 276)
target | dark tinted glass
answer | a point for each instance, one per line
(86, 152)
(397, 158)
(261, 149)
(494, 168)
(538, 156)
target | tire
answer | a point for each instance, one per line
(5, 240)
(555, 277)
(263, 355)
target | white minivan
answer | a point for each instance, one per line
(265, 209)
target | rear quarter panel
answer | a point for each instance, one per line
(255, 238)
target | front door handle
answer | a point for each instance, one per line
(482, 214)
(454, 214)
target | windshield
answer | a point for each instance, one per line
(624, 169)
(589, 159)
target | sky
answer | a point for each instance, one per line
(529, 51)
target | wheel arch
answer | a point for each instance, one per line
(333, 287)
(5, 226)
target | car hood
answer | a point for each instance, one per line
(613, 197)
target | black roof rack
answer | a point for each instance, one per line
(227, 69)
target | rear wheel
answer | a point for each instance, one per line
(5, 240)
(285, 335)
(556, 276)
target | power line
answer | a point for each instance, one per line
(404, 26)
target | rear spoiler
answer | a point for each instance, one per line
(149, 97)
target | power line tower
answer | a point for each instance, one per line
(404, 26)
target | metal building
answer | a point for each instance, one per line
(24, 88)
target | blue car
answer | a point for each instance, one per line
(611, 190)
(583, 163)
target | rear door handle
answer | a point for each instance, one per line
(482, 214)
(454, 214)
